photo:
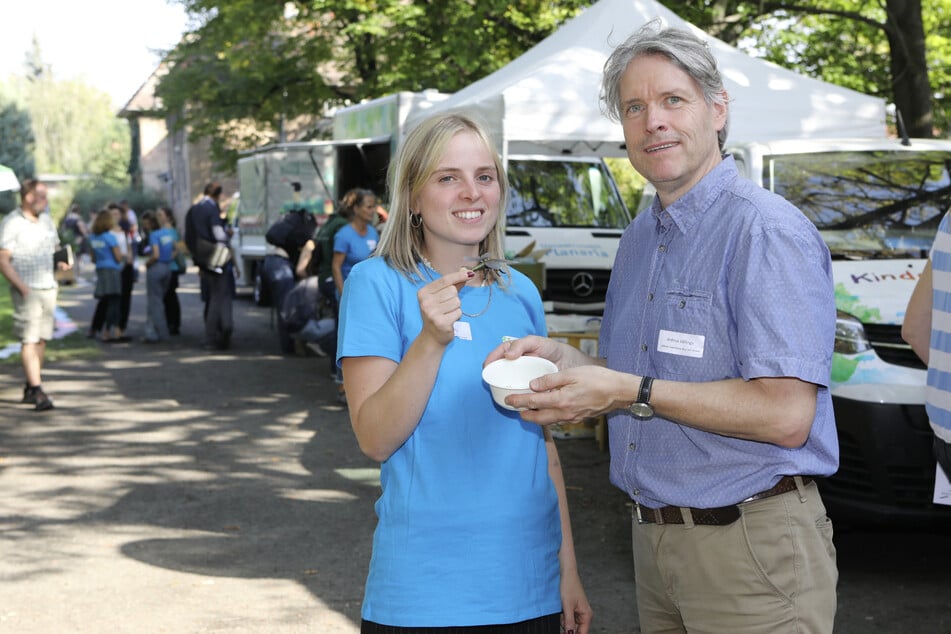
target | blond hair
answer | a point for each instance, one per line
(402, 243)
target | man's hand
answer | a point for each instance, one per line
(572, 395)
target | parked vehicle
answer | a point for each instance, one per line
(877, 204)
(568, 205)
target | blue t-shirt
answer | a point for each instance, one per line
(729, 281)
(164, 241)
(469, 530)
(102, 244)
(355, 247)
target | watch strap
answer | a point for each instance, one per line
(644, 393)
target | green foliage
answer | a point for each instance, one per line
(76, 129)
(253, 65)
(16, 147)
(843, 42)
(61, 127)
(93, 196)
(630, 184)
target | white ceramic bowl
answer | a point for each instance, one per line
(512, 376)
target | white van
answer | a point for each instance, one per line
(877, 204)
(570, 208)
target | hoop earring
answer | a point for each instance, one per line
(415, 220)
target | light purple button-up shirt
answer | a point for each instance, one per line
(729, 281)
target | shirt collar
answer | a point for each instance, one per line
(686, 211)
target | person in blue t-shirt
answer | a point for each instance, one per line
(473, 526)
(158, 275)
(353, 243)
(106, 255)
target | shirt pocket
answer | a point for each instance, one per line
(683, 342)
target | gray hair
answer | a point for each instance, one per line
(688, 52)
(402, 240)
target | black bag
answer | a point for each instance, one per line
(301, 304)
(291, 232)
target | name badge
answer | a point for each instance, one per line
(680, 343)
(462, 330)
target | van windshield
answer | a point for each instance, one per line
(563, 193)
(880, 203)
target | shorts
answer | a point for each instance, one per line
(34, 315)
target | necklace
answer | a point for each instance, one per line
(430, 266)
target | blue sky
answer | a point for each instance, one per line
(109, 44)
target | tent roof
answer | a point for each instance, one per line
(548, 98)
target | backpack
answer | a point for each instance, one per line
(291, 232)
(302, 303)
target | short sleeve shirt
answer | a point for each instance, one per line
(356, 248)
(468, 530)
(32, 245)
(730, 281)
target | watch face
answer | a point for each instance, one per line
(642, 410)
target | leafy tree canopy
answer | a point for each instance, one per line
(895, 49)
(254, 67)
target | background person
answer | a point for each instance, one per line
(722, 292)
(206, 230)
(28, 240)
(173, 307)
(353, 243)
(126, 282)
(316, 258)
(106, 256)
(473, 521)
(926, 329)
(129, 273)
(158, 273)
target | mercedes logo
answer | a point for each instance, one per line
(582, 284)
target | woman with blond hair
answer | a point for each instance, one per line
(473, 532)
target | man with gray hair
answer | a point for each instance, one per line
(715, 358)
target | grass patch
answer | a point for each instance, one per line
(73, 346)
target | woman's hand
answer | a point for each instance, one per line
(440, 305)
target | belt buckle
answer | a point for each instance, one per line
(637, 514)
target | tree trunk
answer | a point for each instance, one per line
(910, 84)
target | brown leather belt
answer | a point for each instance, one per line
(719, 516)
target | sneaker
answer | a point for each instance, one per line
(29, 394)
(43, 401)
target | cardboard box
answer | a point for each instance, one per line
(535, 272)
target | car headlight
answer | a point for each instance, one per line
(849, 335)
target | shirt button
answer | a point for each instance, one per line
(643, 347)
(650, 297)
(662, 248)
(682, 303)
(637, 491)
(632, 446)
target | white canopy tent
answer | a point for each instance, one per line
(547, 100)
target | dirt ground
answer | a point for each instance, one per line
(178, 490)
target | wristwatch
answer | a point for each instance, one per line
(641, 408)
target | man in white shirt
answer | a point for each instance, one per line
(28, 240)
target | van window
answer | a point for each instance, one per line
(563, 194)
(882, 203)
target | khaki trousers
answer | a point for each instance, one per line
(771, 571)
